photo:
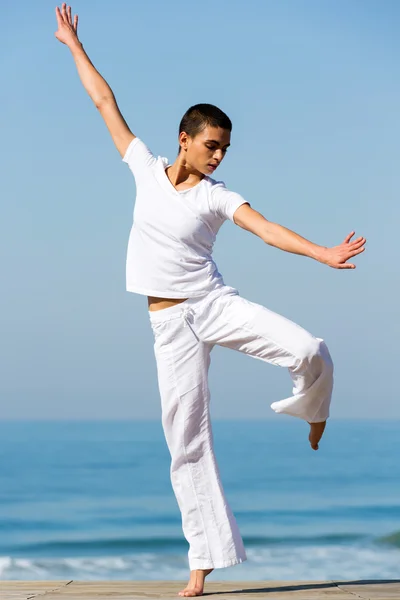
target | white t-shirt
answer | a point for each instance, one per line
(173, 232)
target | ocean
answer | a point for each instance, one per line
(93, 500)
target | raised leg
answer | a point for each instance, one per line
(257, 331)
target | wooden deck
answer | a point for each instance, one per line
(135, 590)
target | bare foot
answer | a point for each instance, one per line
(196, 583)
(316, 432)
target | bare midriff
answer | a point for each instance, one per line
(160, 303)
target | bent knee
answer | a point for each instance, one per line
(315, 350)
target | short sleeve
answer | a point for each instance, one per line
(226, 202)
(138, 157)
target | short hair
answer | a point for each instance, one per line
(199, 116)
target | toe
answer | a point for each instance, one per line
(191, 593)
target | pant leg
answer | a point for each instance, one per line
(207, 520)
(237, 323)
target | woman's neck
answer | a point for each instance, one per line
(183, 175)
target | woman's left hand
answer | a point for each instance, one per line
(338, 256)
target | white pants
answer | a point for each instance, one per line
(185, 334)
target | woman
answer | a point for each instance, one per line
(178, 212)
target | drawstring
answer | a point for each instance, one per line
(187, 313)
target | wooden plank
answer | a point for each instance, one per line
(22, 590)
(226, 590)
(388, 589)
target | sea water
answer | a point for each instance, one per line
(93, 500)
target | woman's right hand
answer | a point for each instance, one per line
(67, 31)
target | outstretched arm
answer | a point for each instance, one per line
(285, 239)
(95, 85)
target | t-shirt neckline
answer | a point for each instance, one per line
(165, 167)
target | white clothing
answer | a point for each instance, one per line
(173, 233)
(185, 334)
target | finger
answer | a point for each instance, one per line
(355, 246)
(346, 266)
(352, 253)
(69, 15)
(348, 238)
(76, 23)
(358, 242)
(59, 17)
(64, 12)
(355, 252)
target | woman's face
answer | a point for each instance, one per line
(205, 151)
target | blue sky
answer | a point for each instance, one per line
(313, 91)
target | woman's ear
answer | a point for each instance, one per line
(184, 140)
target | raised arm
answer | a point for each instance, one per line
(285, 239)
(95, 85)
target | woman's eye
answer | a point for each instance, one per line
(213, 148)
